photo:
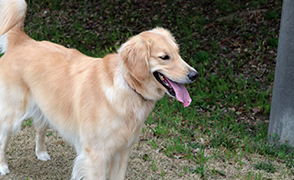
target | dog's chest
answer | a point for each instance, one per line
(127, 127)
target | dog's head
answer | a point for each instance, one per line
(154, 67)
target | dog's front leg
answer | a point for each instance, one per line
(41, 151)
(119, 163)
(96, 164)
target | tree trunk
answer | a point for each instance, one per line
(281, 125)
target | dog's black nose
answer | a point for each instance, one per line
(192, 75)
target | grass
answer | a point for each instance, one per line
(235, 59)
(28, 122)
(266, 166)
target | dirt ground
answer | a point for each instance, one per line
(24, 165)
(144, 163)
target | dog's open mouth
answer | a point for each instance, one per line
(174, 89)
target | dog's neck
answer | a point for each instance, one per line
(145, 99)
(131, 85)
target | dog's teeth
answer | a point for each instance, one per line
(161, 78)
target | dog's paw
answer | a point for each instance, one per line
(43, 156)
(4, 169)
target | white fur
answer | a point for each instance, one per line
(79, 170)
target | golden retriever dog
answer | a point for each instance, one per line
(98, 104)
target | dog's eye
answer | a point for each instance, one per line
(164, 57)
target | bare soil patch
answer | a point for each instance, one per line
(144, 163)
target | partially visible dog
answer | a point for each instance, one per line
(97, 104)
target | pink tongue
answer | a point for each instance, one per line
(181, 92)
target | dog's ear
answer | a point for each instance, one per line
(135, 54)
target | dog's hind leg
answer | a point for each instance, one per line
(10, 122)
(13, 105)
(41, 151)
(4, 137)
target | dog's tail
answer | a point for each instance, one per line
(12, 15)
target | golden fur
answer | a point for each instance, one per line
(98, 104)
